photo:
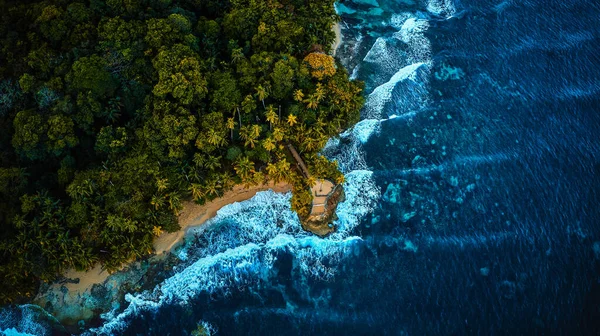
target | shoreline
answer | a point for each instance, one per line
(77, 289)
(191, 216)
(337, 29)
(194, 215)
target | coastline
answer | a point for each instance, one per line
(337, 29)
(191, 216)
(194, 215)
(74, 294)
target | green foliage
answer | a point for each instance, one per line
(179, 75)
(9, 96)
(60, 134)
(112, 113)
(90, 74)
(26, 82)
(111, 140)
(29, 133)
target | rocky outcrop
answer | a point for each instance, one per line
(320, 221)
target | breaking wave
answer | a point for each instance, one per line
(238, 249)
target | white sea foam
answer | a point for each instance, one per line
(347, 151)
(235, 269)
(397, 20)
(412, 33)
(24, 322)
(362, 195)
(445, 8)
(382, 95)
(364, 129)
(254, 233)
(383, 56)
(13, 332)
(416, 58)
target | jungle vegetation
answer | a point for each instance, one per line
(114, 112)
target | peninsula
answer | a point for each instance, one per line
(116, 116)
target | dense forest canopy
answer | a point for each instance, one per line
(113, 112)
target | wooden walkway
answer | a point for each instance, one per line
(320, 191)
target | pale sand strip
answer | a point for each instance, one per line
(195, 215)
(192, 215)
(338, 37)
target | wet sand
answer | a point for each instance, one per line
(192, 215)
(338, 37)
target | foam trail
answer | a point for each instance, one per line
(365, 128)
(243, 243)
(468, 241)
(411, 171)
(413, 64)
(483, 158)
(382, 95)
(443, 8)
(25, 320)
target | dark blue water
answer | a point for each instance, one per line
(480, 162)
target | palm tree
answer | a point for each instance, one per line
(300, 133)
(231, 125)
(312, 102)
(311, 180)
(227, 180)
(310, 143)
(292, 120)
(248, 105)
(244, 167)
(157, 201)
(174, 202)
(214, 138)
(298, 95)
(283, 169)
(320, 124)
(213, 187)
(262, 94)
(162, 184)
(196, 190)
(272, 170)
(271, 116)
(255, 131)
(250, 142)
(278, 134)
(247, 134)
(156, 230)
(320, 92)
(213, 162)
(268, 144)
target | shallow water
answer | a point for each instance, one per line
(473, 191)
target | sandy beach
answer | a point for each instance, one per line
(192, 215)
(338, 37)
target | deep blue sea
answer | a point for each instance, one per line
(472, 195)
